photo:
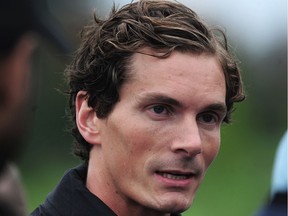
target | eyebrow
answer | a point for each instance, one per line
(160, 98)
(218, 107)
(155, 97)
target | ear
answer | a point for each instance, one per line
(86, 119)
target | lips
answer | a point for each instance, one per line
(174, 175)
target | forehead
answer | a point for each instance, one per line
(180, 75)
(148, 62)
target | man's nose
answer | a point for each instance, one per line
(188, 139)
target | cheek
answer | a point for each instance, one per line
(140, 142)
(129, 141)
(211, 148)
(129, 150)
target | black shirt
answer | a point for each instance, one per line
(71, 197)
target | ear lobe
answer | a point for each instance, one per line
(86, 119)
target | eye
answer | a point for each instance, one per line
(208, 118)
(159, 111)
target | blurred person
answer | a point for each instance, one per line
(150, 87)
(20, 26)
(277, 204)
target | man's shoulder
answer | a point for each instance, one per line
(71, 197)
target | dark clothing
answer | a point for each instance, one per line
(71, 197)
(277, 206)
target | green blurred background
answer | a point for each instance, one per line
(238, 182)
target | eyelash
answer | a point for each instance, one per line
(215, 116)
(167, 110)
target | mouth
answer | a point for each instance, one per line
(175, 175)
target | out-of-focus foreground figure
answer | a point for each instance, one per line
(277, 205)
(20, 26)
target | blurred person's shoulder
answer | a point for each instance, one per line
(12, 196)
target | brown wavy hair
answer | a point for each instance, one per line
(101, 64)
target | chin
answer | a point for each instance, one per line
(176, 204)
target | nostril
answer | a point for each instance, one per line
(187, 150)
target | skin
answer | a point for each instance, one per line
(151, 153)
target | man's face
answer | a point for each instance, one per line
(162, 135)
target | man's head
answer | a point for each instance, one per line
(102, 63)
(149, 89)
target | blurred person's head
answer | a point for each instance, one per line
(149, 89)
(20, 28)
(17, 43)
